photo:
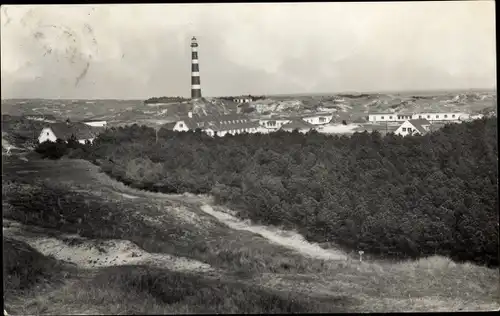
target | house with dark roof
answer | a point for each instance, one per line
(413, 127)
(219, 125)
(299, 125)
(65, 130)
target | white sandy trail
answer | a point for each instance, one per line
(289, 239)
(88, 253)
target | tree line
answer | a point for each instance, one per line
(165, 100)
(391, 196)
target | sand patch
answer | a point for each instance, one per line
(128, 196)
(288, 239)
(90, 253)
(184, 214)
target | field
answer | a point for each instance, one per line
(82, 243)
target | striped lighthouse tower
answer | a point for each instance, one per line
(195, 71)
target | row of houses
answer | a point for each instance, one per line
(233, 124)
(314, 119)
(430, 116)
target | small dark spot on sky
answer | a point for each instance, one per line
(39, 35)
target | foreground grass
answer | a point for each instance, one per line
(24, 267)
(429, 284)
(433, 283)
(134, 290)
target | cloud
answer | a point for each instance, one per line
(137, 51)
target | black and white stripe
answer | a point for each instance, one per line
(195, 71)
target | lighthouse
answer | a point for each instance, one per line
(195, 71)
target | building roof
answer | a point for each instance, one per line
(297, 124)
(419, 125)
(80, 130)
(285, 117)
(219, 122)
(169, 126)
(316, 114)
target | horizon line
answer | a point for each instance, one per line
(277, 94)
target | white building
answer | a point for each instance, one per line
(413, 127)
(243, 100)
(64, 131)
(221, 125)
(390, 117)
(442, 116)
(318, 118)
(430, 116)
(274, 123)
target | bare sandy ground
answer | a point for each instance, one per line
(289, 239)
(90, 253)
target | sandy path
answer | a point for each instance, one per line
(289, 239)
(90, 253)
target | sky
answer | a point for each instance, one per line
(136, 51)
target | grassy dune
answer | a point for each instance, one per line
(90, 210)
(254, 275)
(42, 287)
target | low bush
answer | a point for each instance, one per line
(23, 266)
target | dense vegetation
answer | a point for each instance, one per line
(20, 131)
(165, 100)
(23, 267)
(391, 196)
(253, 97)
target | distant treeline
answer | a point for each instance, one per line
(253, 97)
(353, 96)
(165, 100)
(393, 196)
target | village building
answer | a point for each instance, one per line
(299, 125)
(273, 123)
(318, 118)
(413, 127)
(242, 100)
(65, 130)
(430, 116)
(442, 116)
(389, 117)
(219, 125)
